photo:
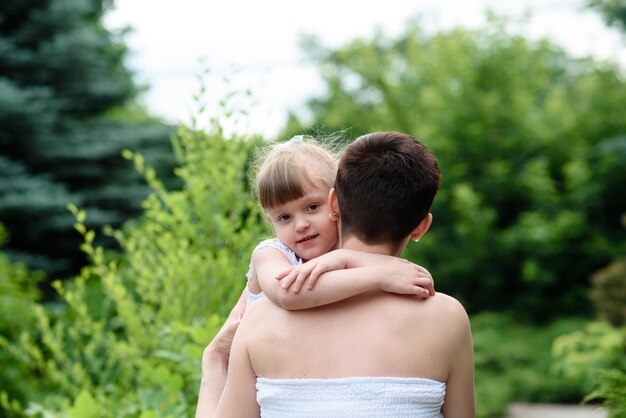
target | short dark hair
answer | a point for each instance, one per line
(386, 184)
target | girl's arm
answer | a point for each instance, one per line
(267, 262)
(346, 274)
(295, 276)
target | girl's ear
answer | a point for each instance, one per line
(333, 205)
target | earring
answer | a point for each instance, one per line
(333, 216)
(413, 237)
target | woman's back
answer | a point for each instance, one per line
(373, 335)
(386, 340)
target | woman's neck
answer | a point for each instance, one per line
(353, 243)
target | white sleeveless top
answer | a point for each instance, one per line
(375, 397)
(294, 260)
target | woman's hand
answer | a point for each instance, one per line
(218, 351)
(215, 362)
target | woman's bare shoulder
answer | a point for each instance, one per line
(448, 312)
(447, 303)
(440, 310)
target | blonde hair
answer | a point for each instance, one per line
(288, 169)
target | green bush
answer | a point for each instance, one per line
(596, 354)
(18, 296)
(513, 363)
(595, 357)
(612, 390)
(608, 292)
(128, 339)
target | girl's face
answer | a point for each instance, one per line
(304, 225)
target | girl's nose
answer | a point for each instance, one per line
(301, 225)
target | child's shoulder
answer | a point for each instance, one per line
(270, 242)
(278, 245)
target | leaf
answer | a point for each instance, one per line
(85, 406)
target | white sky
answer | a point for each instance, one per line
(255, 43)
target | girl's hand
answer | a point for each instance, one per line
(405, 278)
(294, 277)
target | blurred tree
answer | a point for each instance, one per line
(532, 149)
(67, 111)
(613, 11)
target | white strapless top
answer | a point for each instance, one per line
(352, 397)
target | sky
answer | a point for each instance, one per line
(254, 45)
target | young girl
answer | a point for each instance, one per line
(292, 187)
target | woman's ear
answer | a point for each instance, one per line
(423, 226)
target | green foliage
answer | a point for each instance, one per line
(18, 292)
(513, 363)
(612, 390)
(67, 111)
(532, 151)
(128, 340)
(18, 297)
(608, 292)
(595, 356)
(583, 352)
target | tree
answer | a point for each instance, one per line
(67, 111)
(613, 11)
(530, 143)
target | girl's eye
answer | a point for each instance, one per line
(312, 207)
(283, 218)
